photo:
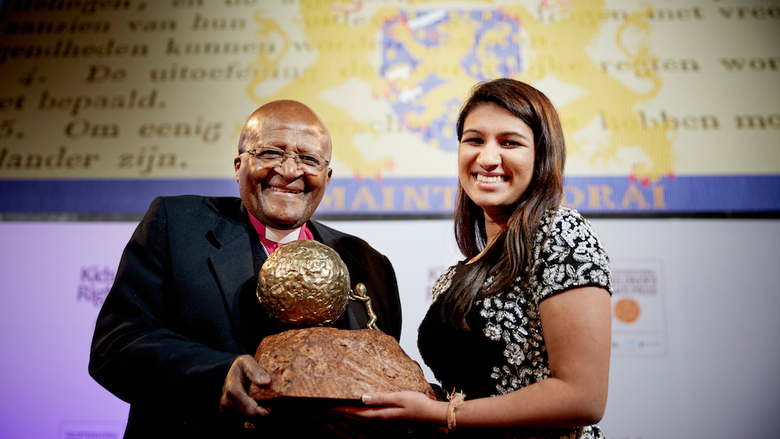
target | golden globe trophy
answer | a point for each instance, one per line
(305, 286)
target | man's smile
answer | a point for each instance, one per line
(283, 190)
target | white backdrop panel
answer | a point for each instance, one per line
(710, 367)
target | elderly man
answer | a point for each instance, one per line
(177, 332)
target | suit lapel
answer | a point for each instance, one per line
(231, 260)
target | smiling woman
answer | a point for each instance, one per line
(495, 159)
(519, 331)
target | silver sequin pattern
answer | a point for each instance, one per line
(567, 255)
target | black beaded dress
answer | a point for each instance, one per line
(505, 349)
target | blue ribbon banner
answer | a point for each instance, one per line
(413, 196)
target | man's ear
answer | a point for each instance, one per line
(237, 165)
(327, 177)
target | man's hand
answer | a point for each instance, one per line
(242, 373)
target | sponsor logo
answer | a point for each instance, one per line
(94, 284)
(91, 430)
(638, 309)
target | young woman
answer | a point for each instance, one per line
(521, 327)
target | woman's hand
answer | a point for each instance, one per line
(400, 406)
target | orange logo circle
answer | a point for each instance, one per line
(627, 310)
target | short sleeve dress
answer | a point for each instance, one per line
(505, 349)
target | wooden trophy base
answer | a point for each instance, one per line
(334, 367)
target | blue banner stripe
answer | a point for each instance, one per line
(682, 194)
(100, 196)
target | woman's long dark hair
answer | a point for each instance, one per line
(510, 256)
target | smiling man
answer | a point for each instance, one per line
(281, 168)
(177, 333)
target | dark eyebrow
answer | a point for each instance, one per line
(504, 134)
(513, 133)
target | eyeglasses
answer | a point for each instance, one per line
(271, 157)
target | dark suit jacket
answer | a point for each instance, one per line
(182, 308)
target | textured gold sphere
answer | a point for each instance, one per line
(304, 283)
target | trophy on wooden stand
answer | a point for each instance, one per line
(304, 285)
